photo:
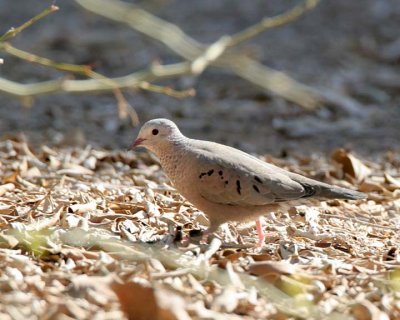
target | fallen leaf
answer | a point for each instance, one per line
(366, 310)
(82, 207)
(271, 270)
(351, 165)
(389, 179)
(6, 188)
(143, 302)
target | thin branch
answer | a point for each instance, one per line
(30, 57)
(124, 108)
(202, 56)
(276, 82)
(167, 90)
(216, 54)
(273, 22)
(132, 80)
(109, 83)
(167, 33)
(14, 31)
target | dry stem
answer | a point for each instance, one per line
(14, 31)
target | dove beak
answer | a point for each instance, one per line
(138, 142)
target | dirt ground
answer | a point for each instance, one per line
(341, 45)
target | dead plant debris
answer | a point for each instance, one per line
(95, 234)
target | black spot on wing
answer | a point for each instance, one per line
(202, 175)
(238, 187)
(257, 179)
(210, 172)
(309, 190)
(256, 188)
(220, 172)
(226, 182)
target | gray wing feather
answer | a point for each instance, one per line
(229, 176)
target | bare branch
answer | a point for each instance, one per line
(14, 31)
(30, 57)
(133, 80)
(216, 54)
(202, 56)
(273, 22)
(99, 82)
(167, 33)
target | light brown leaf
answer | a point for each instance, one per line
(389, 179)
(137, 300)
(271, 270)
(351, 165)
(6, 188)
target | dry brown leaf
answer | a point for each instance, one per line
(108, 216)
(6, 188)
(7, 209)
(137, 301)
(370, 186)
(271, 270)
(389, 179)
(366, 310)
(351, 165)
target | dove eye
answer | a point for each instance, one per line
(155, 132)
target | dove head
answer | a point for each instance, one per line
(157, 134)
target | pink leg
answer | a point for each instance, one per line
(261, 234)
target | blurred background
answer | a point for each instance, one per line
(349, 48)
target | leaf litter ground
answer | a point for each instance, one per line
(95, 234)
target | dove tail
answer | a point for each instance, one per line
(332, 192)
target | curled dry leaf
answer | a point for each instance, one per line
(351, 165)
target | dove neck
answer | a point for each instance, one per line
(171, 145)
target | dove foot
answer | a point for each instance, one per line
(263, 235)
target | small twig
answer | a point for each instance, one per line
(167, 90)
(30, 57)
(214, 51)
(125, 109)
(14, 31)
(273, 22)
(132, 80)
